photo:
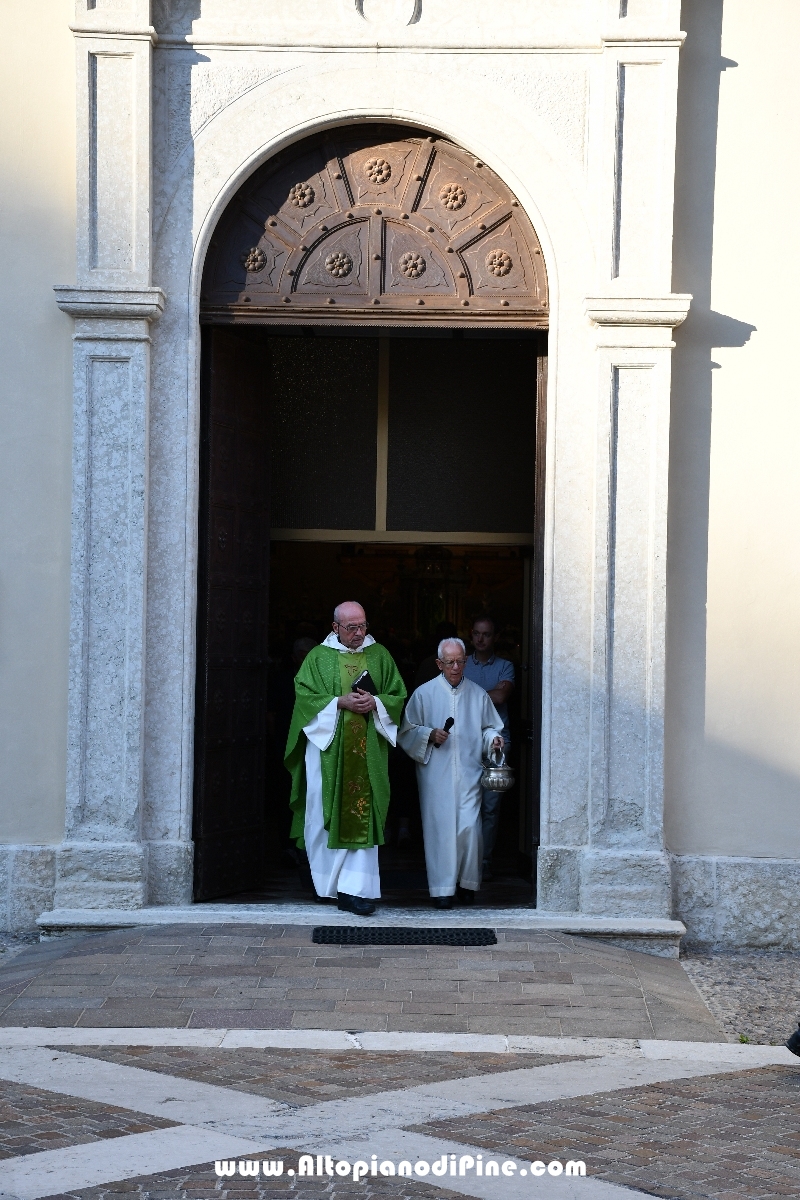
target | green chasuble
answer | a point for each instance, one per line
(355, 767)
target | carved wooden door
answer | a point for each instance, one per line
(230, 734)
(379, 221)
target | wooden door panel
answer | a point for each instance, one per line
(230, 740)
(221, 542)
(379, 220)
(413, 265)
(218, 716)
(222, 476)
(339, 264)
(501, 263)
(219, 625)
(453, 196)
(246, 632)
(300, 193)
(379, 173)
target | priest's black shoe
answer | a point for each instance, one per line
(793, 1043)
(355, 904)
(465, 895)
(442, 901)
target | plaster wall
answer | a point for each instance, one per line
(733, 685)
(571, 104)
(37, 250)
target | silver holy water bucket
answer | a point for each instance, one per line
(497, 777)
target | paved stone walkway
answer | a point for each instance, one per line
(734, 1136)
(282, 1075)
(199, 1183)
(662, 1122)
(592, 1054)
(32, 1119)
(273, 977)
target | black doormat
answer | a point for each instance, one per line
(366, 935)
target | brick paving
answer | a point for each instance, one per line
(306, 1077)
(197, 1183)
(273, 977)
(32, 1120)
(727, 1137)
(753, 994)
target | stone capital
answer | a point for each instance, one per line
(666, 311)
(128, 20)
(121, 303)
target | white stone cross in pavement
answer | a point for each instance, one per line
(221, 1122)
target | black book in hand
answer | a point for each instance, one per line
(364, 683)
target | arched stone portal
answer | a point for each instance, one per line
(579, 119)
(377, 248)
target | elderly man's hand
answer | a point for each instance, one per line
(498, 743)
(357, 702)
(438, 736)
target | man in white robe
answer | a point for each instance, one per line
(449, 766)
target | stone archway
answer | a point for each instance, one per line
(607, 236)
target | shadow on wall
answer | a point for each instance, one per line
(175, 16)
(690, 433)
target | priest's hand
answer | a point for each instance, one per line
(498, 743)
(438, 737)
(357, 702)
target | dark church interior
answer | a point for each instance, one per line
(412, 595)
(398, 466)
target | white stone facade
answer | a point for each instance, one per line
(573, 103)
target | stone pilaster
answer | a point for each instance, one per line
(620, 865)
(602, 826)
(102, 861)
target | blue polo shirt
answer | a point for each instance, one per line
(487, 675)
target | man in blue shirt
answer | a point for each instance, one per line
(496, 676)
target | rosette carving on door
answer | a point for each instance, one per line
(379, 221)
(338, 263)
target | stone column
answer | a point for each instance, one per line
(102, 862)
(602, 848)
(620, 866)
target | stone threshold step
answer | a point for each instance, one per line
(652, 935)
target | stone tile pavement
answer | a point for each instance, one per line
(689, 1129)
(273, 977)
(200, 1183)
(32, 1119)
(611, 1058)
(282, 1074)
(738, 1135)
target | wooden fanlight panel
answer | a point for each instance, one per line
(381, 221)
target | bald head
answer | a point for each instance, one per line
(350, 624)
(349, 611)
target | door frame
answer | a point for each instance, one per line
(532, 666)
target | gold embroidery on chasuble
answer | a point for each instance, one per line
(355, 820)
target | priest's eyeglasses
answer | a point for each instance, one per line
(453, 662)
(362, 627)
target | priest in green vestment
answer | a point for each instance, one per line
(338, 752)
